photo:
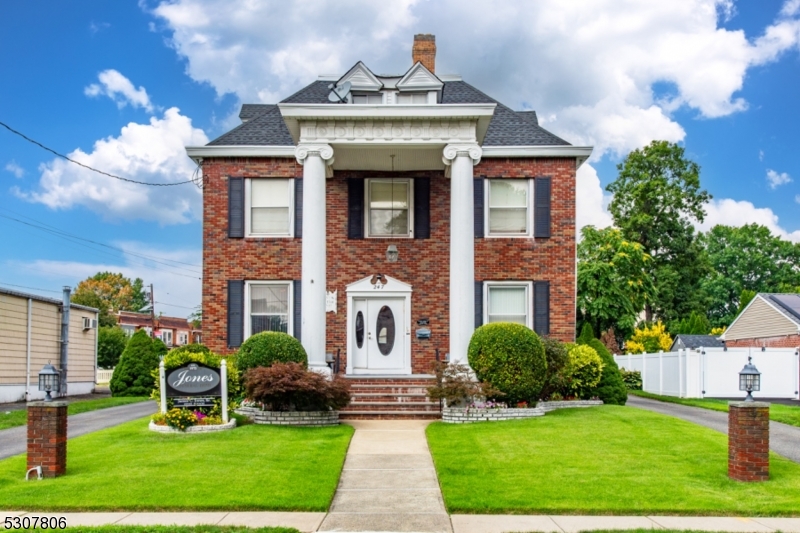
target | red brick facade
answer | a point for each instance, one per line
(748, 441)
(423, 263)
(47, 437)
(786, 341)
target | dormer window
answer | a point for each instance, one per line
(412, 98)
(373, 99)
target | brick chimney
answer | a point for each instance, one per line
(424, 50)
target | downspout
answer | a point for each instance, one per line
(28, 354)
(64, 339)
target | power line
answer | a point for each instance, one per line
(32, 288)
(40, 145)
(175, 305)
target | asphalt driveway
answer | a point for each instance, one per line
(14, 441)
(783, 438)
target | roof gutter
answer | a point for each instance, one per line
(580, 153)
(197, 153)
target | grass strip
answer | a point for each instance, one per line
(130, 468)
(19, 417)
(787, 414)
(607, 460)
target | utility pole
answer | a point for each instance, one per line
(152, 313)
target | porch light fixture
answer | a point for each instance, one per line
(749, 379)
(392, 254)
(49, 381)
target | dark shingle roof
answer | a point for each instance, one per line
(693, 342)
(788, 302)
(265, 126)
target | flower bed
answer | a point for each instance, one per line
(461, 415)
(193, 429)
(290, 418)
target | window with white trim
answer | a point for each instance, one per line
(389, 207)
(509, 211)
(183, 338)
(269, 207)
(412, 98)
(166, 336)
(373, 99)
(508, 301)
(268, 307)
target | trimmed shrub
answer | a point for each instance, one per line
(584, 370)
(587, 334)
(510, 357)
(159, 347)
(632, 379)
(611, 388)
(455, 385)
(557, 357)
(268, 347)
(199, 353)
(111, 343)
(291, 387)
(133, 376)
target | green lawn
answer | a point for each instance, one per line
(9, 419)
(602, 460)
(788, 414)
(129, 467)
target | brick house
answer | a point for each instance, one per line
(173, 331)
(385, 217)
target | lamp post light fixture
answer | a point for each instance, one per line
(392, 254)
(49, 381)
(749, 379)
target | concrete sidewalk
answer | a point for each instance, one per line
(783, 438)
(313, 522)
(14, 441)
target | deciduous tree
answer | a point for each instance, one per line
(110, 293)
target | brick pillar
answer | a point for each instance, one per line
(47, 437)
(748, 441)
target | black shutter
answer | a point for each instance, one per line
(235, 313)
(355, 209)
(298, 316)
(541, 207)
(298, 208)
(236, 208)
(541, 307)
(478, 304)
(422, 208)
(479, 206)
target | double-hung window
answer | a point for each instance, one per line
(390, 212)
(509, 212)
(269, 207)
(373, 99)
(412, 98)
(508, 301)
(268, 306)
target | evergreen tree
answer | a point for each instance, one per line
(611, 388)
(133, 376)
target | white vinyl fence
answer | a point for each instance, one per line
(104, 376)
(714, 372)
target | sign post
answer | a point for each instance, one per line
(224, 379)
(161, 375)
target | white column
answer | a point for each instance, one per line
(314, 159)
(461, 158)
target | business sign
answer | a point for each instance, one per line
(192, 380)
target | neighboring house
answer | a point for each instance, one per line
(695, 342)
(769, 320)
(173, 331)
(30, 337)
(389, 223)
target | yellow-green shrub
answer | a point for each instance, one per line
(649, 339)
(585, 368)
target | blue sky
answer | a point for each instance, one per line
(123, 86)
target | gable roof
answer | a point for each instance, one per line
(767, 315)
(693, 342)
(788, 303)
(361, 78)
(419, 78)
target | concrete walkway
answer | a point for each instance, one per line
(312, 522)
(388, 482)
(14, 441)
(783, 438)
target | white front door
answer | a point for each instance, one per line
(379, 330)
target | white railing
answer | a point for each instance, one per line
(714, 372)
(104, 376)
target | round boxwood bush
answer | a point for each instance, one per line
(585, 369)
(510, 357)
(267, 347)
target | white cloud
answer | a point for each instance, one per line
(151, 152)
(574, 62)
(15, 169)
(738, 213)
(592, 201)
(120, 89)
(172, 285)
(776, 179)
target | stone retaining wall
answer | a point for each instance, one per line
(291, 418)
(461, 415)
(193, 429)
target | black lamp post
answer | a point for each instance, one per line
(49, 381)
(749, 379)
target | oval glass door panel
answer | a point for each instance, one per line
(360, 329)
(385, 327)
